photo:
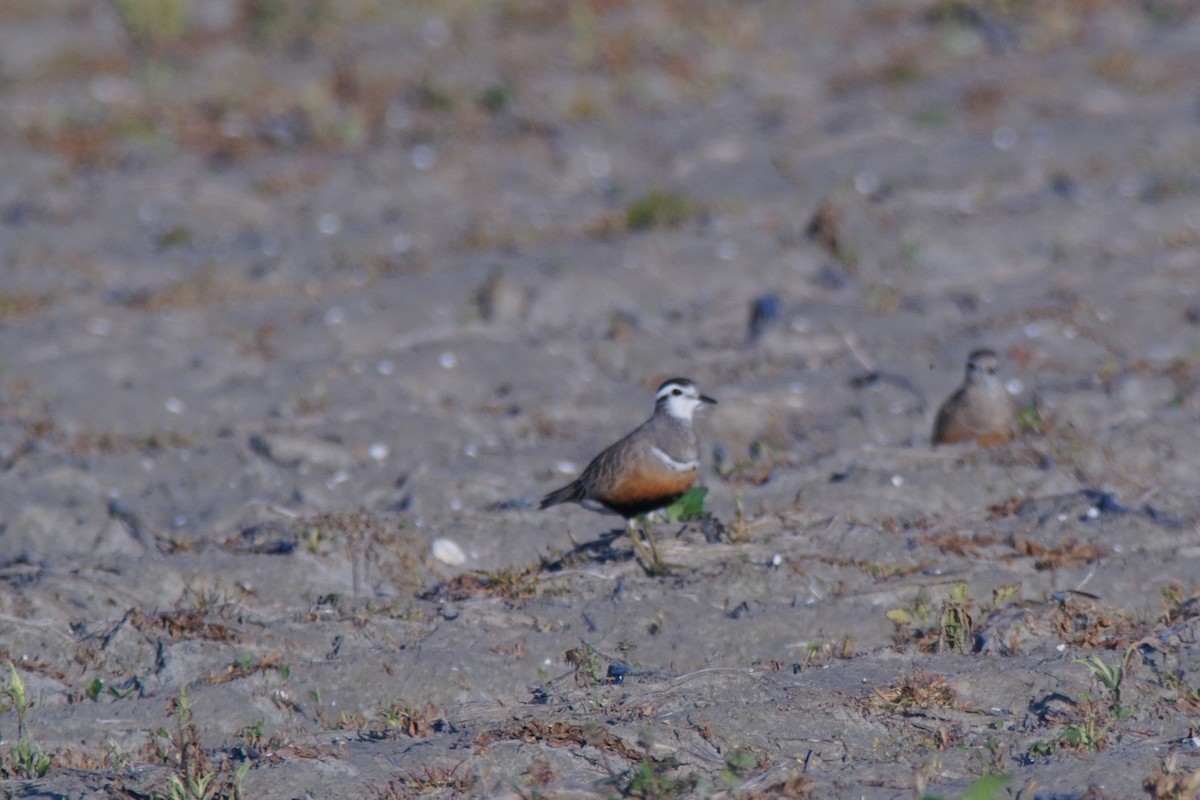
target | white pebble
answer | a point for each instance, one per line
(727, 250)
(455, 504)
(1093, 512)
(378, 451)
(471, 451)
(448, 360)
(175, 405)
(1014, 386)
(776, 560)
(566, 467)
(897, 480)
(1061, 648)
(341, 476)
(449, 553)
(385, 366)
(335, 316)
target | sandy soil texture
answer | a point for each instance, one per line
(303, 306)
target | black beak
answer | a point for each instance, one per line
(707, 400)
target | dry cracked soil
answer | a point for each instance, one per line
(304, 305)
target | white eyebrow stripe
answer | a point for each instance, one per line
(679, 466)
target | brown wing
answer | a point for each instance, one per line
(630, 480)
(957, 421)
(949, 427)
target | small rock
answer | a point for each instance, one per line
(448, 552)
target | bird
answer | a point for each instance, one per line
(648, 469)
(980, 409)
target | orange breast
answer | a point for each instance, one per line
(644, 488)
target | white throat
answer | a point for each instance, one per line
(682, 407)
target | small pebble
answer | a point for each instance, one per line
(448, 552)
(566, 467)
(175, 405)
(385, 367)
(1014, 386)
(448, 360)
(1093, 512)
(335, 316)
(341, 476)
(378, 451)
(897, 480)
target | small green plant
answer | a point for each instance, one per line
(16, 692)
(1040, 748)
(658, 208)
(192, 775)
(985, 788)
(251, 735)
(153, 22)
(739, 762)
(409, 720)
(1109, 676)
(24, 759)
(588, 664)
(956, 624)
(1029, 419)
(688, 507)
(1088, 734)
(653, 780)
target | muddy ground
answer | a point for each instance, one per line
(292, 291)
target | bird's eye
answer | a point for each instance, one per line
(677, 392)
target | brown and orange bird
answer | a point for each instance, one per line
(647, 470)
(980, 409)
